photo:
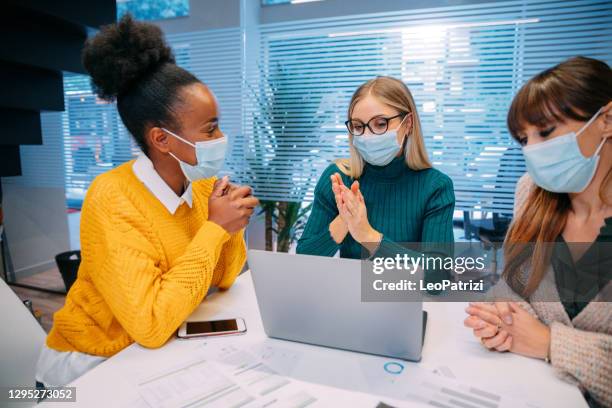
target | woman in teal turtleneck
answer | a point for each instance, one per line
(386, 192)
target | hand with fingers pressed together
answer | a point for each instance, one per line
(353, 215)
(506, 326)
(231, 206)
(225, 185)
(337, 228)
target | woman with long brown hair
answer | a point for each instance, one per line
(557, 263)
(387, 191)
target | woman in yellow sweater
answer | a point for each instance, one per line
(156, 232)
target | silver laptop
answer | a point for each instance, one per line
(317, 300)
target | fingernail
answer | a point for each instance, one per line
(508, 319)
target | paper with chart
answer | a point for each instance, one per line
(396, 380)
(275, 373)
(239, 381)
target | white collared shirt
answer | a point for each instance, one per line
(144, 170)
(59, 368)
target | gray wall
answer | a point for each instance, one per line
(34, 204)
(213, 14)
(204, 15)
(338, 8)
(36, 226)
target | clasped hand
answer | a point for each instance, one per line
(353, 215)
(231, 206)
(506, 326)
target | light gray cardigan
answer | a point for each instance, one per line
(581, 348)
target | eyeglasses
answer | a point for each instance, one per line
(377, 125)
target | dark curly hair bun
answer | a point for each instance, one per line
(122, 53)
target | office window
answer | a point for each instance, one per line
(153, 9)
(285, 121)
(94, 138)
(463, 65)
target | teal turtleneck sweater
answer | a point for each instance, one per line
(403, 204)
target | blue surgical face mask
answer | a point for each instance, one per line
(210, 155)
(379, 150)
(557, 165)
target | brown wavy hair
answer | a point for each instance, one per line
(575, 89)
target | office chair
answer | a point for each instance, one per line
(22, 339)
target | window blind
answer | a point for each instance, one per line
(95, 139)
(463, 65)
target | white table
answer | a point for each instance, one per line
(447, 343)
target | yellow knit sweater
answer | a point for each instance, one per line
(143, 270)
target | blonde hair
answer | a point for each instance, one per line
(394, 93)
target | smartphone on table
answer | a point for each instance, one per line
(211, 328)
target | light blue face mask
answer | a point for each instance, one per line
(210, 155)
(557, 165)
(379, 150)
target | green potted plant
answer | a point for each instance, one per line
(271, 142)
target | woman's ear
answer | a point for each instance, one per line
(606, 114)
(157, 139)
(407, 126)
